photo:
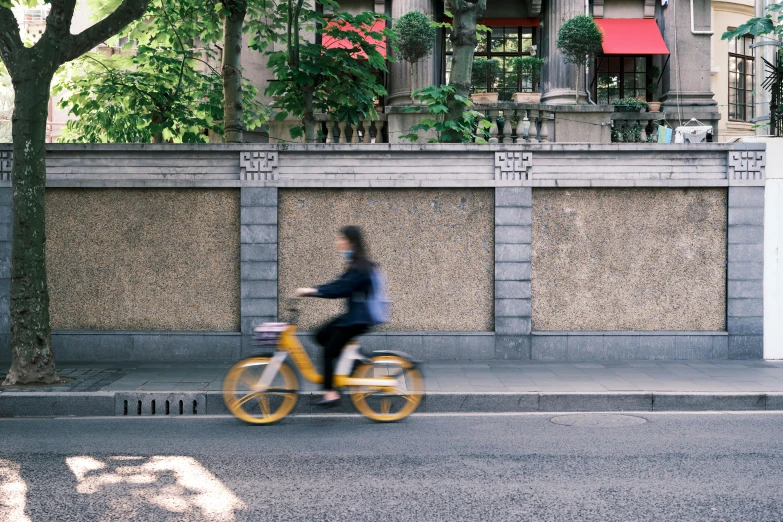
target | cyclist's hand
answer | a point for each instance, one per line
(303, 292)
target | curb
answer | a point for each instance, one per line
(201, 403)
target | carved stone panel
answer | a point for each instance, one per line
(747, 167)
(649, 8)
(6, 160)
(513, 166)
(598, 8)
(258, 166)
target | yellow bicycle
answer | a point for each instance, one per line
(263, 389)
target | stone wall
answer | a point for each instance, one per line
(436, 247)
(143, 259)
(629, 259)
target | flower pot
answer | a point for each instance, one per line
(484, 97)
(654, 106)
(526, 97)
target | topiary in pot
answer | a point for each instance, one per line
(415, 39)
(485, 73)
(579, 40)
(528, 67)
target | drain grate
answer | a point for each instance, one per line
(598, 420)
(136, 404)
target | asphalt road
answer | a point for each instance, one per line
(683, 467)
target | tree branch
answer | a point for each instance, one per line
(127, 12)
(10, 40)
(60, 18)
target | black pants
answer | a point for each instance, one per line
(334, 338)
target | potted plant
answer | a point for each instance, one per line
(652, 88)
(528, 67)
(415, 40)
(484, 75)
(629, 104)
(579, 39)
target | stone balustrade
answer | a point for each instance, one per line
(635, 127)
(367, 131)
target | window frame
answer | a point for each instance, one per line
(622, 73)
(748, 107)
(489, 54)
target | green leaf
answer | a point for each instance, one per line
(754, 27)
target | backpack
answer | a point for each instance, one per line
(378, 303)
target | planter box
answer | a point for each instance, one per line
(526, 97)
(484, 97)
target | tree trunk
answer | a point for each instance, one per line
(308, 118)
(233, 122)
(577, 83)
(33, 359)
(463, 40)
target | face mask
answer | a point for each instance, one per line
(347, 254)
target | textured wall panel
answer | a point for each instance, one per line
(629, 259)
(131, 259)
(436, 247)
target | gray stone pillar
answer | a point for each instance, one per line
(744, 299)
(557, 77)
(6, 220)
(400, 87)
(258, 260)
(513, 231)
(685, 86)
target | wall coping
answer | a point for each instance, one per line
(396, 147)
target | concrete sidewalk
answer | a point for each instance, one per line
(450, 386)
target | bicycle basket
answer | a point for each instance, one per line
(268, 334)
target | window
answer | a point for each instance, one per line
(620, 77)
(742, 75)
(503, 44)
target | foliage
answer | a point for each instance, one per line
(471, 127)
(579, 39)
(415, 36)
(769, 24)
(163, 87)
(631, 103)
(340, 80)
(528, 66)
(485, 72)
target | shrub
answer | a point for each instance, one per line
(415, 36)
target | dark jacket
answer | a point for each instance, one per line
(354, 286)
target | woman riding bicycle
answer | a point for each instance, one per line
(355, 285)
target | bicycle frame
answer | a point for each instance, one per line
(289, 345)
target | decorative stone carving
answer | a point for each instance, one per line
(649, 8)
(258, 166)
(6, 160)
(535, 8)
(513, 166)
(598, 8)
(746, 166)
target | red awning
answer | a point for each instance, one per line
(333, 43)
(631, 36)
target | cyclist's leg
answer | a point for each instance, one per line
(338, 340)
(323, 336)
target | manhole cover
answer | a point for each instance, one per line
(598, 420)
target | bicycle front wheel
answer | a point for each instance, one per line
(250, 400)
(392, 403)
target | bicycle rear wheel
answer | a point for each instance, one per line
(253, 402)
(388, 404)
